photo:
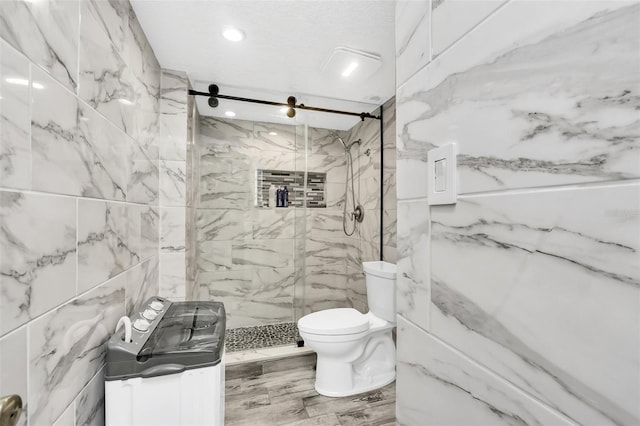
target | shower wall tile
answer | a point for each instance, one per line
(334, 195)
(143, 184)
(224, 185)
(325, 224)
(65, 348)
(214, 255)
(326, 286)
(357, 289)
(104, 246)
(325, 142)
(38, 248)
(542, 126)
(247, 312)
(273, 223)
(389, 241)
(222, 224)
(555, 268)
(413, 287)
(13, 368)
(172, 237)
(172, 183)
(413, 38)
(452, 20)
(173, 270)
(438, 383)
(45, 32)
(283, 141)
(174, 115)
(324, 251)
(89, 405)
(264, 283)
(262, 253)
(15, 147)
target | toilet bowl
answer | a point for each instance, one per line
(355, 351)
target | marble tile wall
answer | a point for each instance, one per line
(79, 191)
(365, 244)
(274, 265)
(520, 304)
(176, 116)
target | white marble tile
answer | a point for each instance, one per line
(104, 248)
(571, 121)
(66, 145)
(414, 255)
(47, 33)
(173, 270)
(149, 232)
(13, 369)
(326, 286)
(66, 348)
(106, 83)
(173, 229)
(438, 386)
(214, 255)
(246, 312)
(544, 289)
(142, 283)
(15, 121)
(357, 289)
(173, 115)
(89, 404)
(273, 223)
(67, 418)
(225, 183)
(325, 142)
(222, 224)
(450, 20)
(262, 253)
(263, 283)
(413, 37)
(326, 224)
(173, 183)
(321, 251)
(284, 139)
(143, 186)
(38, 246)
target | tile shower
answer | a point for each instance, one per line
(271, 265)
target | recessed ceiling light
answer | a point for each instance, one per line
(273, 133)
(230, 114)
(233, 34)
(349, 69)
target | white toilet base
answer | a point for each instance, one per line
(382, 381)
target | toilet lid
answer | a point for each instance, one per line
(334, 322)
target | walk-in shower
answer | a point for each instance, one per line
(357, 214)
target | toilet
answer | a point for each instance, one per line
(355, 351)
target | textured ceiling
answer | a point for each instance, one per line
(286, 44)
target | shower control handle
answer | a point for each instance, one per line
(358, 214)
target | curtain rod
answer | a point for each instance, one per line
(214, 95)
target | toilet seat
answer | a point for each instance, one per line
(334, 322)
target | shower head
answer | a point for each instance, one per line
(347, 148)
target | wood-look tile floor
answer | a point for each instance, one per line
(288, 398)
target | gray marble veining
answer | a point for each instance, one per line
(38, 240)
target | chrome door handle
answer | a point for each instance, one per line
(10, 410)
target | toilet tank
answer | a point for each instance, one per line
(381, 289)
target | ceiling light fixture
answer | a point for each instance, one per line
(273, 134)
(230, 114)
(233, 34)
(349, 69)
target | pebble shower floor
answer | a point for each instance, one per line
(261, 336)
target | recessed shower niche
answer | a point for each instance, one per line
(296, 184)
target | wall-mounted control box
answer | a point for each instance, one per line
(441, 175)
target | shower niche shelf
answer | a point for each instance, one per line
(294, 181)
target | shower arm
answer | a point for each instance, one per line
(291, 103)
